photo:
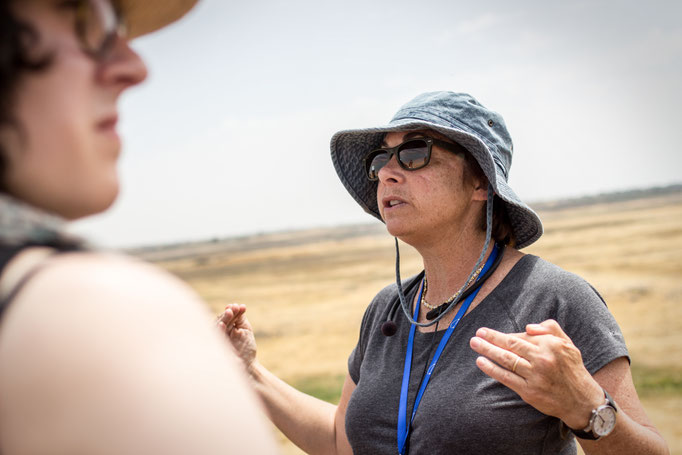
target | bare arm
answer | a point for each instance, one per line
(314, 425)
(550, 376)
(106, 355)
(634, 432)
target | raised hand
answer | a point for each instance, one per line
(238, 330)
(544, 367)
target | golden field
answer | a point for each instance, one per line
(306, 291)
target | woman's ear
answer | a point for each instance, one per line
(480, 189)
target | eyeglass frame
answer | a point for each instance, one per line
(114, 27)
(430, 142)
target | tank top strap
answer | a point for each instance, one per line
(9, 252)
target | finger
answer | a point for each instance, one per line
(236, 307)
(502, 375)
(537, 329)
(232, 313)
(222, 317)
(514, 342)
(239, 321)
(554, 328)
(227, 316)
(224, 328)
(510, 361)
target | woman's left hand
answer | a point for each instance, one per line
(544, 367)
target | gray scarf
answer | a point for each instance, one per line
(21, 223)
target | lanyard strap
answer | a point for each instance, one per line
(403, 425)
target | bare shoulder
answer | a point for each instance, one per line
(102, 353)
(70, 277)
(86, 295)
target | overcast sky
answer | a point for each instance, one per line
(230, 133)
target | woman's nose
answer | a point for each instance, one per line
(124, 66)
(391, 172)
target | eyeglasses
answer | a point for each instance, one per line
(98, 25)
(412, 154)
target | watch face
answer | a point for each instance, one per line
(604, 421)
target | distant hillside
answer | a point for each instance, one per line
(603, 198)
(256, 241)
(339, 233)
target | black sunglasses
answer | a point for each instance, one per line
(99, 24)
(412, 154)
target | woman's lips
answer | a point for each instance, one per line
(391, 202)
(108, 126)
(106, 130)
(108, 122)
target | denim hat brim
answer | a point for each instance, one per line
(349, 147)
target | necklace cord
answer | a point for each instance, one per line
(453, 297)
(435, 312)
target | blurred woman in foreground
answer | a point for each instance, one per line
(488, 350)
(99, 353)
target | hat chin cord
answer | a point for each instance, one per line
(403, 301)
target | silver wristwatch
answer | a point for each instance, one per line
(602, 421)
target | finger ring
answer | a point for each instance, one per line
(516, 362)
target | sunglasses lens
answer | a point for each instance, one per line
(375, 162)
(414, 154)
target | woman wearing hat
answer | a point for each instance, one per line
(487, 350)
(99, 353)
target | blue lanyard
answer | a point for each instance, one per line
(403, 426)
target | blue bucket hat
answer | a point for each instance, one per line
(462, 119)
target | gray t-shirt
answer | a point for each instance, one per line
(463, 410)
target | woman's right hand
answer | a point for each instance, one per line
(237, 328)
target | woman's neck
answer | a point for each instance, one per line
(449, 263)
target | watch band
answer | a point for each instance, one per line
(582, 434)
(587, 432)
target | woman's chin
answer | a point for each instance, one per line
(399, 230)
(106, 200)
(95, 204)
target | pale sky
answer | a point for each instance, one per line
(230, 133)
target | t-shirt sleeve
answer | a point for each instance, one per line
(356, 356)
(541, 290)
(547, 291)
(584, 316)
(371, 319)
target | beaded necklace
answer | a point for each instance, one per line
(454, 296)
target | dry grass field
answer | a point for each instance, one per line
(306, 291)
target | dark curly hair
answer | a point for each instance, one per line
(16, 41)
